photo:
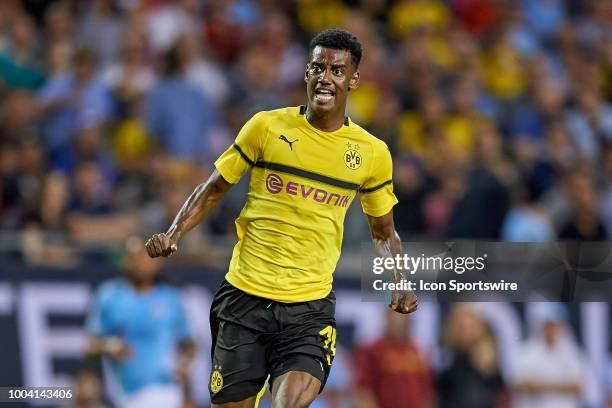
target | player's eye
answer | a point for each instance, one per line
(338, 71)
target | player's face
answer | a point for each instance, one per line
(141, 267)
(329, 78)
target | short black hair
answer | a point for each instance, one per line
(338, 39)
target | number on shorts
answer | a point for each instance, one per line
(329, 333)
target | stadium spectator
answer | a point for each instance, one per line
(391, 372)
(257, 81)
(472, 378)
(32, 172)
(531, 119)
(545, 16)
(131, 76)
(480, 17)
(439, 204)
(503, 70)
(316, 15)
(59, 23)
(526, 221)
(54, 199)
(101, 30)
(548, 370)
(591, 122)
(18, 117)
(91, 194)
(9, 176)
(419, 130)
(584, 223)
(137, 323)
(19, 67)
(204, 72)
(408, 15)
(71, 102)
(487, 192)
(166, 22)
(522, 35)
(411, 188)
(177, 113)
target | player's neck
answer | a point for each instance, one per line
(141, 285)
(327, 122)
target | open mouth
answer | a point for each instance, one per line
(323, 95)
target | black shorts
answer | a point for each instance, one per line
(253, 337)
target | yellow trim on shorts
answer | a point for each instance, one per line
(261, 393)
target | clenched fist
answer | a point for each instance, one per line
(404, 301)
(160, 245)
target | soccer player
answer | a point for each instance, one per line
(138, 324)
(274, 313)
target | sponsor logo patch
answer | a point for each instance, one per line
(275, 184)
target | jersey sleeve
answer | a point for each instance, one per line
(245, 152)
(376, 194)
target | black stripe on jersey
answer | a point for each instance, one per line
(378, 187)
(308, 175)
(244, 156)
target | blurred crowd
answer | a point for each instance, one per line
(547, 369)
(497, 112)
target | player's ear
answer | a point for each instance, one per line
(306, 73)
(354, 81)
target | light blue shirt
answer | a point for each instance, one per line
(522, 225)
(152, 323)
(94, 106)
(181, 116)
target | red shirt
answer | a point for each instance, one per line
(395, 372)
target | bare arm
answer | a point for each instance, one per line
(110, 346)
(187, 354)
(197, 207)
(388, 244)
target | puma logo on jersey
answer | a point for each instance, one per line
(289, 142)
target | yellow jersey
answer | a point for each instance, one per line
(302, 183)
